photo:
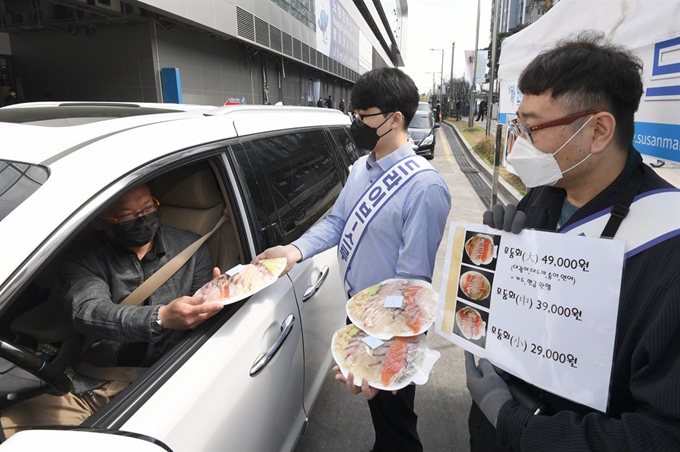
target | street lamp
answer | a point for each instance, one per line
(441, 86)
(433, 85)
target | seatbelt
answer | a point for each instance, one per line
(137, 297)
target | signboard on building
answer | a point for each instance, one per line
(337, 34)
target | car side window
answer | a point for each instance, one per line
(301, 182)
(348, 150)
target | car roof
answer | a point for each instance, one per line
(30, 136)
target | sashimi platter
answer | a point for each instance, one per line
(396, 307)
(386, 344)
(242, 281)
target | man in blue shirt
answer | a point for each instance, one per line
(401, 233)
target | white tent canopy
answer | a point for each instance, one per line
(649, 28)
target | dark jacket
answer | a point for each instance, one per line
(99, 274)
(644, 405)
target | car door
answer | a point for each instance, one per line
(242, 389)
(297, 180)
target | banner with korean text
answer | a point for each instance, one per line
(541, 306)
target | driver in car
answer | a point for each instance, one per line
(129, 246)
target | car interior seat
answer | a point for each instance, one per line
(191, 199)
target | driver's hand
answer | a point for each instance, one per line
(186, 313)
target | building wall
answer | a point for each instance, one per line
(113, 65)
(212, 70)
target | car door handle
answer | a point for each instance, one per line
(264, 358)
(311, 290)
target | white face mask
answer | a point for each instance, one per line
(537, 168)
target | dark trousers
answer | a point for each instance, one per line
(394, 421)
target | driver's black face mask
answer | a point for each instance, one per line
(137, 232)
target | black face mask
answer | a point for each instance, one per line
(137, 232)
(366, 137)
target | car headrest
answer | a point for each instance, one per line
(191, 187)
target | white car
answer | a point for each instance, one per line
(246, 379)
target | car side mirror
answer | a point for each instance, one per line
(436, 126)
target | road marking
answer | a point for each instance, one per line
(445, 142)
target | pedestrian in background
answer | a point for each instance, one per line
(320, 103)
(482, 110)
(573, 146)
(329, 102)
(12, 98)
(342, 105)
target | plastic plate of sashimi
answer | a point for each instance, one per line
(395, 307)
(242, 281)
(390, 365)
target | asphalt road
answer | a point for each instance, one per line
(341, 422)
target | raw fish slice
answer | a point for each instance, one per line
(413, 311)
(398, 358)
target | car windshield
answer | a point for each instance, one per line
(423, 106)
(18, 181)
(420, 122)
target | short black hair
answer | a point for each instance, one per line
(585, 73)
(388, 89)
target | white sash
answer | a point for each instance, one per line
(654, 217)
(371, 203)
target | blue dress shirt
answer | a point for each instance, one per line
(402, 240)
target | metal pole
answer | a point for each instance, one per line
(496, 166)
(471, 118)
(494, 49)
(441, 80)
(453, 52)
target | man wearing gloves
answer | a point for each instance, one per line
(572, 147)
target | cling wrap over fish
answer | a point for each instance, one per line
(367, 308)
(390, 366)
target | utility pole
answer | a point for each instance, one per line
(441, 87)
(471, 117)
(453, 52)
(494, 49)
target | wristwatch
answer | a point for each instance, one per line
(156, 324)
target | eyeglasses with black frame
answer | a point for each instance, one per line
(133, 216)
(518, 129)
(359, 119)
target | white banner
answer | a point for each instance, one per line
(649, 28)
(539, 305)
(480, 74)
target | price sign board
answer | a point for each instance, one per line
(542, 306)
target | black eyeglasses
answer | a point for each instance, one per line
(519, 129)
(133, 216)
(359, 119)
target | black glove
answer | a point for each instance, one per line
(506, 218)
(486, 387)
